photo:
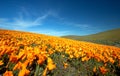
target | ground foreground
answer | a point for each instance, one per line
(30, 54)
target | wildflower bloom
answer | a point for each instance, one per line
(44, 72)
(85, 58)
(23, 72)
(13, 58)
(94, 69)
(65, 65)
(1, 63)
(18, 66)
(8, 73)
(41, 59)
(50, 64)
(103, 70)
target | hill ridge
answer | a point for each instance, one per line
(106, 37)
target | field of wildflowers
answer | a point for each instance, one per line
(30, 54)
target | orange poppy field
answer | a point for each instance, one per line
(31, 54)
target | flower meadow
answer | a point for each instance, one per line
(31, 54)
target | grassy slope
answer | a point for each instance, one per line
(108, 37)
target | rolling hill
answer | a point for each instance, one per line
(31, 54)
(110, 37)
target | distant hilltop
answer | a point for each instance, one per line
(110, 37)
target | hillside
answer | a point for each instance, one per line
(31, 54)
(110, 37)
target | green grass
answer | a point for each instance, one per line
(110, 37)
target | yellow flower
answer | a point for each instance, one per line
(71, 56)
(18, 66)
(21, 54)
(63, 56)
(94, 69)
(24, 72)
(111, 60)
(1, 62)
(50, 64)
(44, 72)
(85, 58)
(49, 60)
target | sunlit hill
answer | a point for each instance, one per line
(31, 54)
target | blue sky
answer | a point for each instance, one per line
(60, 17)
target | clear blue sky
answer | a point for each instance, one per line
(60, 17)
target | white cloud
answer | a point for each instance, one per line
(78, 25)
(25, 20)
(51, 32)
(22, 23)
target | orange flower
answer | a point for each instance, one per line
(8, 73)
(50, 51)
(65, 65)
(13, 58)
(41, 59)
(103, 70)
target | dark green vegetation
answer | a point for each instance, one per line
(111, 37)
